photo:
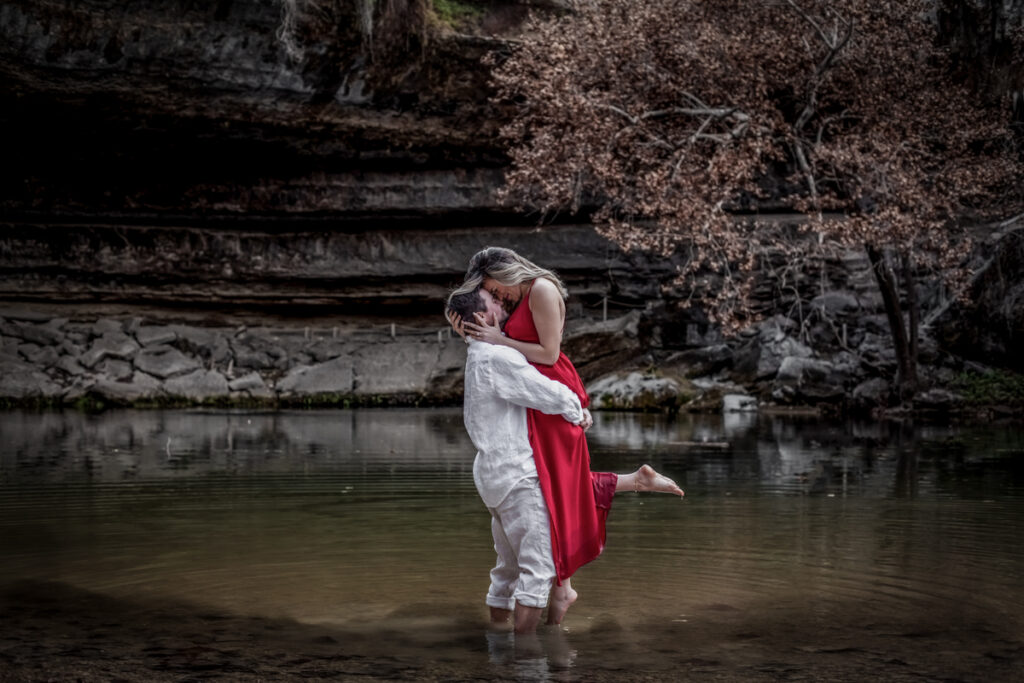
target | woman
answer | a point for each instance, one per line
(578, 500)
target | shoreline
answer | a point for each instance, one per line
(93, 364)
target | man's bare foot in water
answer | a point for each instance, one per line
(647, 479)
(561, 600)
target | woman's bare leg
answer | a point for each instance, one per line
(561, 599)
(644, 479)
(647, 479)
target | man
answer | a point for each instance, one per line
(500, 384)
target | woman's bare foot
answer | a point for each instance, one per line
(647, 479)
(561, 600)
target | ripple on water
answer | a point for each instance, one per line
(357, 520)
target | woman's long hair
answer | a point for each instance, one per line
(508, 268)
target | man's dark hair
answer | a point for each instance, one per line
(466, 304)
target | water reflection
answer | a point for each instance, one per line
(801, 544)
(130, 444)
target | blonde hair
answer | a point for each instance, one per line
(508, 268)
(472, 284)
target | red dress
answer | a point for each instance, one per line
(578, 500)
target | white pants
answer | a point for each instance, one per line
(525, 570)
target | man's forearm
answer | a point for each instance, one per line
(526, 386)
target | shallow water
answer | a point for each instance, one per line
(803, 549)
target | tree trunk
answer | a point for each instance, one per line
(904, 344)
(913, 312)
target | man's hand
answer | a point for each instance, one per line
(481, 331)
(456, 322)
(588, 420)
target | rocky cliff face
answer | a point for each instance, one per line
(170, 153)
(167, 164)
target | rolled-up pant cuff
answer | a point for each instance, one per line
(501, 603)
(531, 599)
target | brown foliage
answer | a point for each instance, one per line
(668, 116)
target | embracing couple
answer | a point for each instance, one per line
(526, 413)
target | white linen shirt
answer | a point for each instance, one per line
(500, 385)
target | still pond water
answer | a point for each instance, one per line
(152, 545)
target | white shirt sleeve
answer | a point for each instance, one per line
(511, 377)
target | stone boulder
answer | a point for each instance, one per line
(988, 326)
(877, 350)
(164, 362)
(599, 347)
(326, 349)
(110, 345)
(105, 326)
(252, 385)
(197, 337)
(23, 381)
(761, 356)
(710, 397)
(253, 380)
(416, 360)
(140, 387)
(248, 358)
(150, 335)
(41, 334)
(199, 385)
(739, 403)
(836, 303)
(333, 377)
(640, 392)
(807, 380)
(40, 356)
(700, 362)
(871, 394)
(446, 381)
(70, 366)
(115, 370)
(938, 400)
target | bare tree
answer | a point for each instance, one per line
(668, 116)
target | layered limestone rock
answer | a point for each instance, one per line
(189, 215)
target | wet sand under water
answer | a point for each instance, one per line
(55, 632)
